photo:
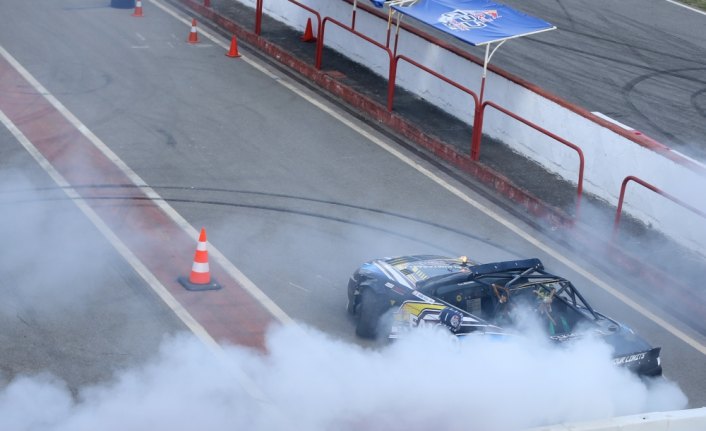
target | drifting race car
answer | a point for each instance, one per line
(471, 298)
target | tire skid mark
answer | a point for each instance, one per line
(115, 197)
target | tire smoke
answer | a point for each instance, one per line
(312, 381)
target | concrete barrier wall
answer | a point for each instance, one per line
(611, 155)
(681, 420)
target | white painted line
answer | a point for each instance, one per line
(303, 289)
(460, 194)
(691, 8)
(156, 199)
(141, 37)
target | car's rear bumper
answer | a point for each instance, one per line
(645, 363)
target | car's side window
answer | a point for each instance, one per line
(452, 294)
(473, 298)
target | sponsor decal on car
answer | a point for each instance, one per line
(423, 297)
(630, 358)
(418, 274)
(564, 337)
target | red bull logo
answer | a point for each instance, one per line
(463, 20)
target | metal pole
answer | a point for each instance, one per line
(478, 117)
(258, 17)
(355, 9)
(397, 33)
(391, 83)
(389, 27)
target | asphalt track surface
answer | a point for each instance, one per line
(292, 196)
(640, 62)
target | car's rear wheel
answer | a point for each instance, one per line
(372, 308)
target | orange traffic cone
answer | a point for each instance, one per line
(308, 32)
(200, 278)
(193, 35)
(138, 9)
(233, 52)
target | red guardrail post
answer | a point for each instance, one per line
(393, 78)
(320, 41)
(258, 17)
(648, 186)
(579, 188)
(477, 133)
(320, 45)
(391, 84)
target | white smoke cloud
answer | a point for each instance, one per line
(41, 226)
(315, 382)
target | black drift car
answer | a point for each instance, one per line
(472, 298)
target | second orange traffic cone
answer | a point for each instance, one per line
(233, 52)
(138, 9)
(193, 35)
(200, 277)
(308, 32)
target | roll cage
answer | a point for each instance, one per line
(509, 278)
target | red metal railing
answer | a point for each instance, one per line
(393, 79)
(648, 186)
(478, 128)
(320, 41)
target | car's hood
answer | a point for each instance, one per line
(414, 269)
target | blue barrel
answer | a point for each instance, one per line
(122, 4)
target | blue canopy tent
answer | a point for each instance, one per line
(476, 22)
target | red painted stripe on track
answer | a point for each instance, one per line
(228, 315)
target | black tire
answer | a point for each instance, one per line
(372, 308)
(350, 307)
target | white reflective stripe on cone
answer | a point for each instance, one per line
(201, 246)
(200, 267)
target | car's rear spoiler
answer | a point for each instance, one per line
(516, 265)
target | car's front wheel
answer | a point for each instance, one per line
(371, 308)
